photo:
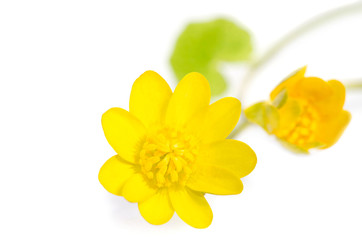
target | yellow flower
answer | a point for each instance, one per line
(171, 149)
(304, 112)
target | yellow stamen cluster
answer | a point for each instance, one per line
(302, 132)
(167, 157)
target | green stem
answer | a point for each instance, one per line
(295, 34)
(356, 85)
(239, 128)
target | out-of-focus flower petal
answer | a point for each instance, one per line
(330, 131)
(289, 81)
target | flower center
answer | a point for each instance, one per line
(167, 157)
(302, 132)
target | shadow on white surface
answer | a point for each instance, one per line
(126, 214)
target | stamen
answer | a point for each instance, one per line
(302, 132)
(167, 157)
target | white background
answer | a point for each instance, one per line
(64, 63)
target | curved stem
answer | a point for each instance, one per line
(239, 128)
(299, 31)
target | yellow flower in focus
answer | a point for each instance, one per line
(171, 149)
(304, 112)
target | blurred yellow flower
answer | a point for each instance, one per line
(304, 112)
(171, 149)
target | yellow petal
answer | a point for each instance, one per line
(327, 97)
(333, 104)
(157, 209)
(124, 132)
(312, 89)
(215, 180)
(339, 92)
(191, 95)
(233, 155)
(191, 207)
(290, 81)
(149, 98)
(289, 114)
(328, 132)
(136, 189)
(217, 121)
(114, 173)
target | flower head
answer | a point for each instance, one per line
(171, 149)
(304, 112)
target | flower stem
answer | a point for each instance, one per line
(357, 85)
(239, 128)
(294, 34)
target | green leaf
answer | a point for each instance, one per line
(202, 46)
(293, 148)
(280, 99)
(263, 114)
